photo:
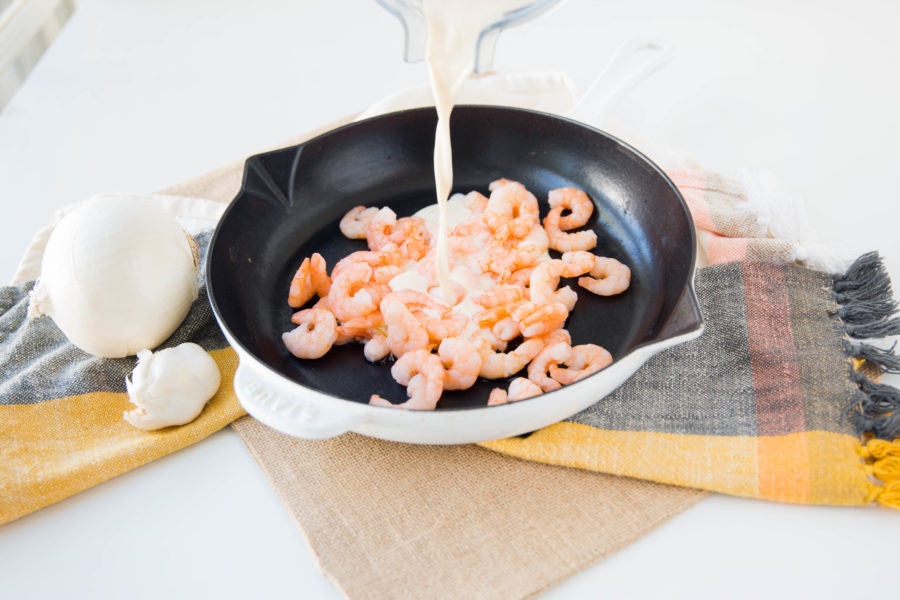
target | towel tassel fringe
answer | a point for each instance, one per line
(883, 462)
(867, 310)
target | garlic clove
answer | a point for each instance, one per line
(171, 387)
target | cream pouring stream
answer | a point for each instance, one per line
(454, 27)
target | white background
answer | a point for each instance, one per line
(135, 96)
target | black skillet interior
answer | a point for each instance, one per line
(292, 199)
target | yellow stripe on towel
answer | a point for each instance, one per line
(50, 450)
(727, 464)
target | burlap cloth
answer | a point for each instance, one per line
(388, 520)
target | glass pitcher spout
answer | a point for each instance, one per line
(411, 14)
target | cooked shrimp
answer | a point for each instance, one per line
(318, 275)
(411, 236)
(574, 200)
(387, 256)
(506, 329)
(608, 277)
(498, 396)
(315, 335)
(302, 289)
(539, 319)
(549, 356)
(349, 297)
(499, 183)
(491, 316)
(544, 280)
(485, 340)
(476, 202)
(512, 206)
(385, 273)
(423, 375)
(445, 327)
(496, 296)
(404, 332)
(356, 222)
(376, 347)
(379, 230)
(498, 365)
(555, 336)
(562, 241)
(584, 360)
(521, 388)
(461, 361)
(530, 249)
(361, 326)
(577, 263)
(521, 277)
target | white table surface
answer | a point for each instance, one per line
(135, 96)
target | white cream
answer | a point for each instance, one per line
(409, 280)
(454, 27)
(456, 212)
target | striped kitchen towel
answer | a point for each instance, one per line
(779, 398)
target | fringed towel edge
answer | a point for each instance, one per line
(867, 309)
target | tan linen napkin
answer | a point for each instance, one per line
(388, 520)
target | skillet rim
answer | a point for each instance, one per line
(688, 294)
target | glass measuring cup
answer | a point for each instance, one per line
(412, 15)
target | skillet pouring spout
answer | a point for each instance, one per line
(292, 200)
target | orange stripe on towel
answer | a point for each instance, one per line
(723, 250)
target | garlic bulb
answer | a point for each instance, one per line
(171, 387)
(118, 275)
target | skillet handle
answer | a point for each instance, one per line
(634, 61)
(279, 406)
(685, 320)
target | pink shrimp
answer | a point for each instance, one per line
(521, 277)
(549, 356)
(411, 236)
(476, 202)
(485, 341)
(577, 263)
(511, 205)
(608, 277)
(445, 327)
(348, 297)
(563, 241)
(461, 361)
(498, 365)
(496, 296)
(574, 200)
(584, 360)
(379, 230)
(539, 319)
(315, 335)
(423, 375)
(376, 347)
(360, 327)
(520, 388)
(544, 280)
(498, 396)
(555, 336)
(302, 289)
(528, 251)
(506, 329)
(356, 222)
(318, 275)
(404, 332)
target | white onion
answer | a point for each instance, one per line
(118, 275)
